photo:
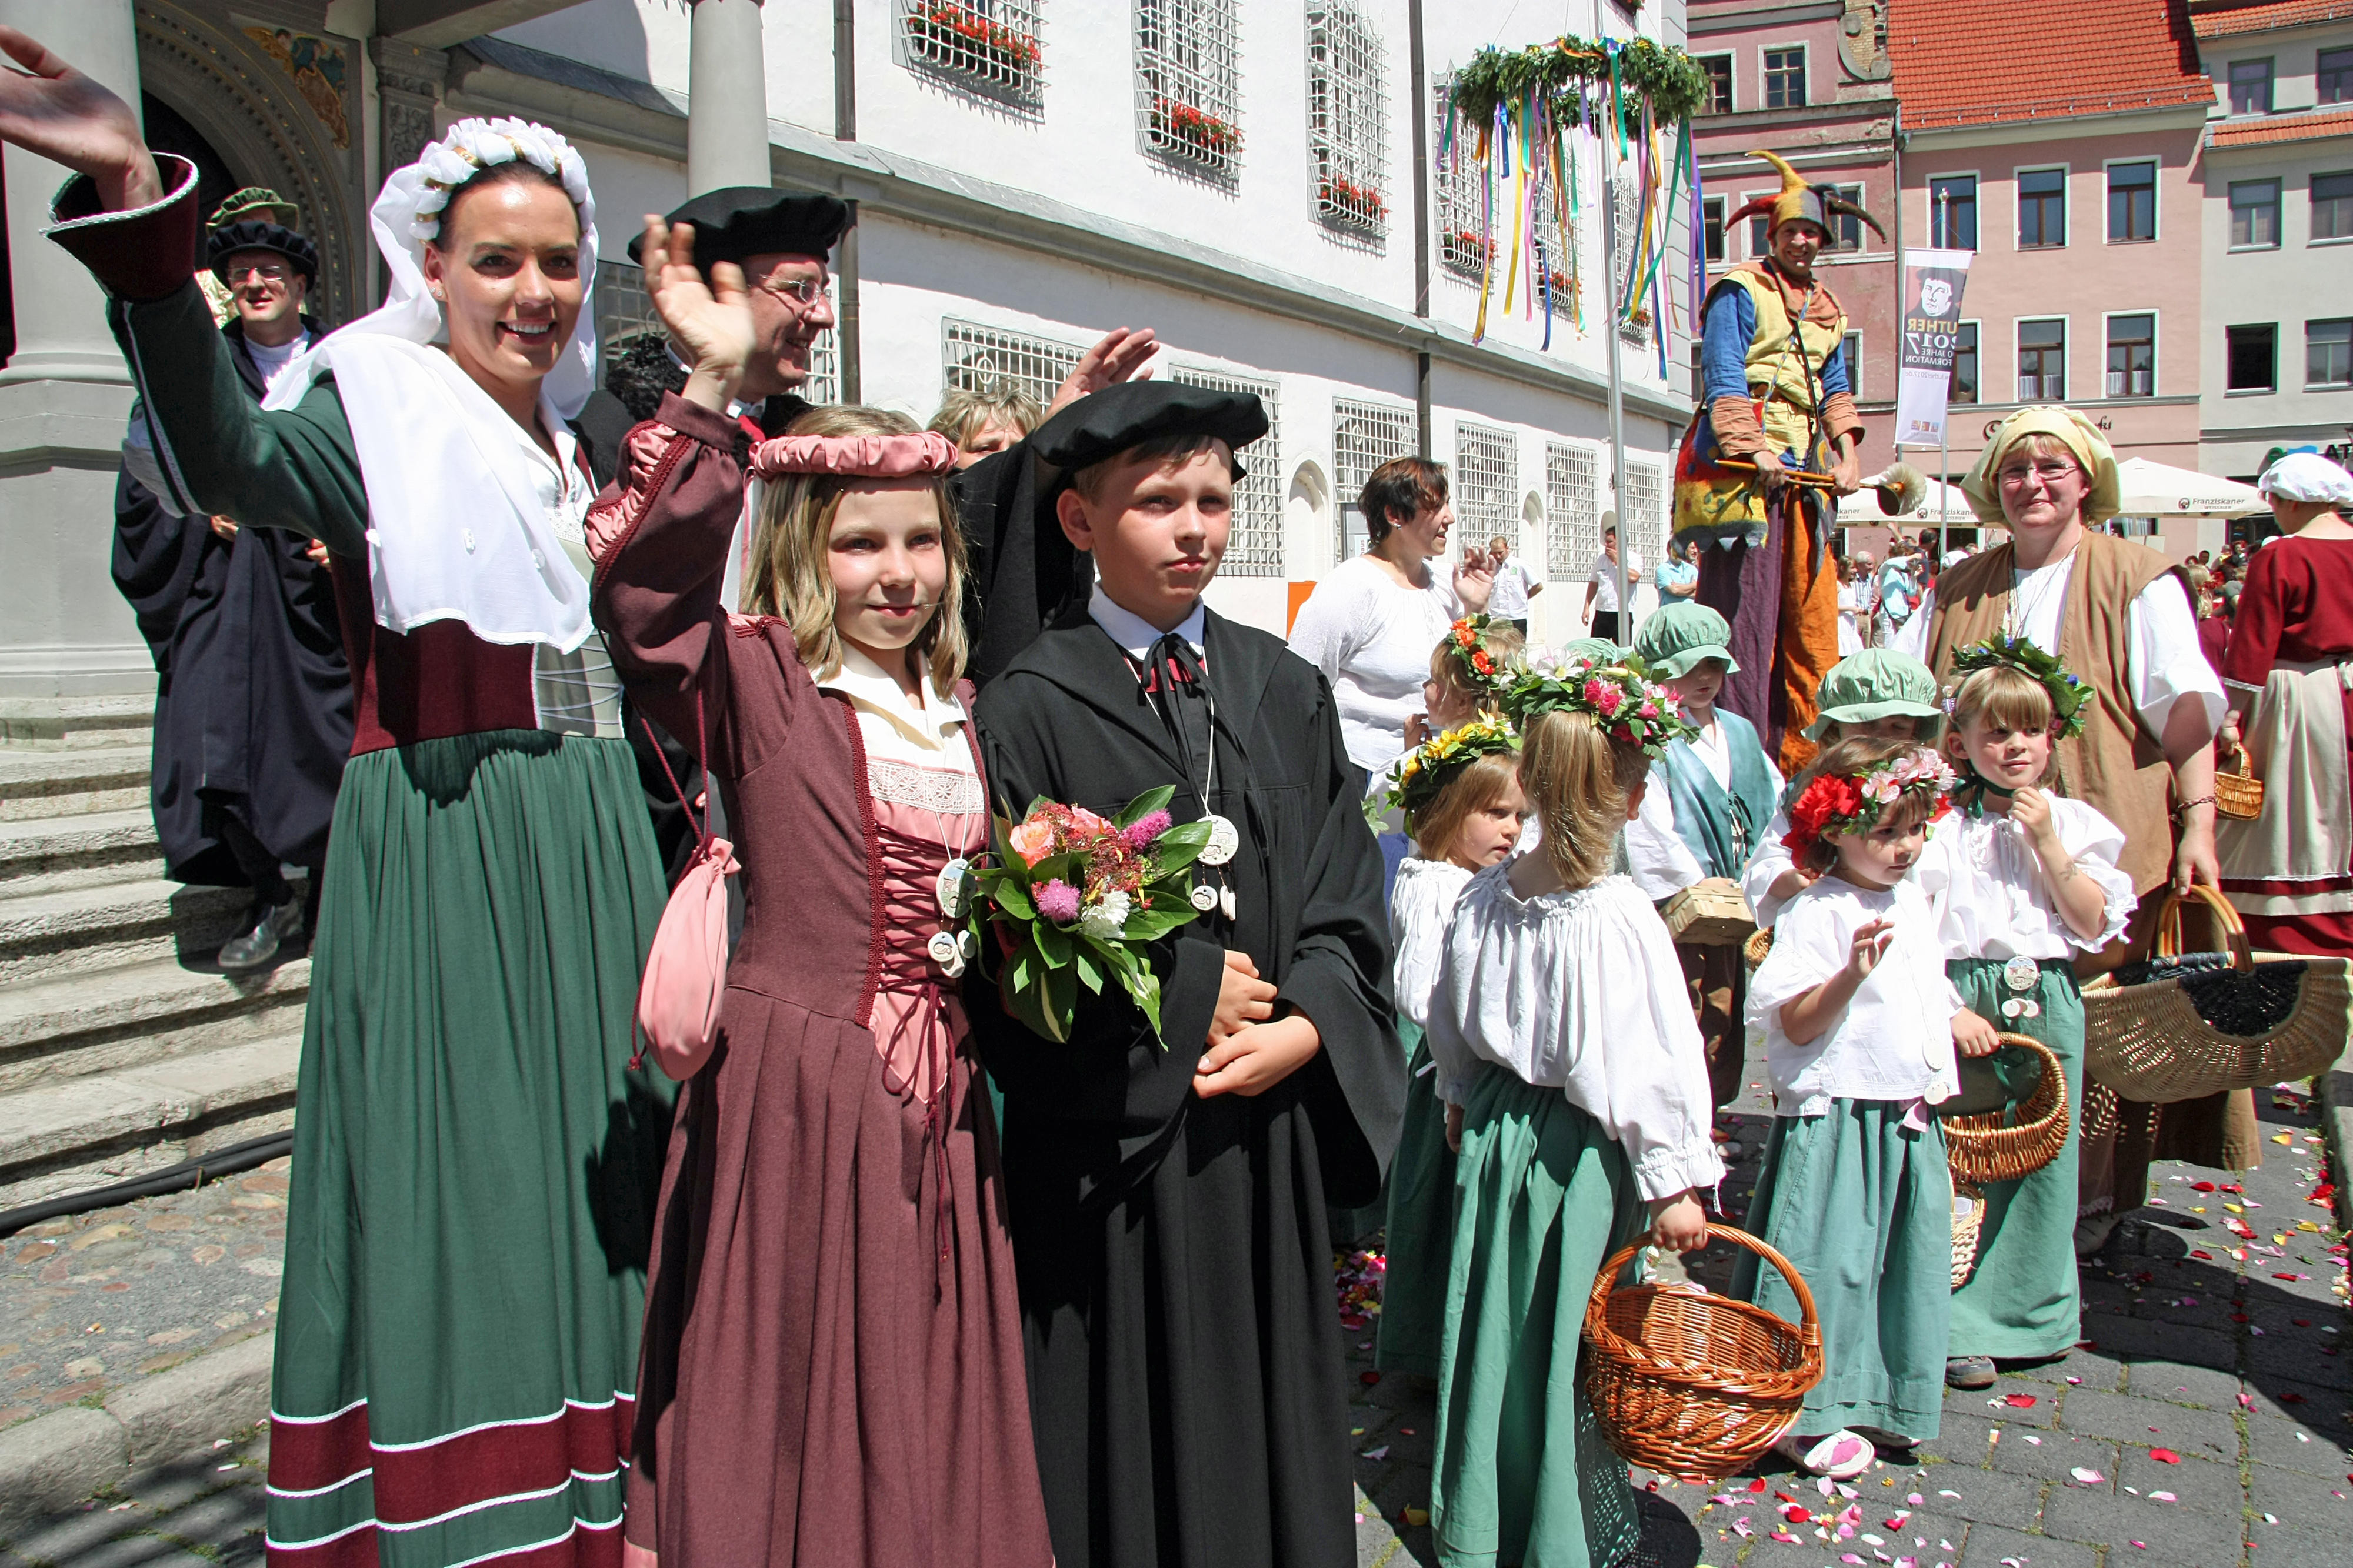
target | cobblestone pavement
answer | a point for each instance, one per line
(2206, 1419)
(2210, 1407)
(93, 1301)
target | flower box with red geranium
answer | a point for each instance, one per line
(1347, 202)
(1076, 900)
(1462, 250)
(954, 37)
(1175, 126)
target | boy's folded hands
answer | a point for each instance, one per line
(1251, 1051)
(1243, 999)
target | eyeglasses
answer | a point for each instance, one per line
(801, 291)
(268, 271)
(2050, 470)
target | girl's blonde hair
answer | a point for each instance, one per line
(2005, 697)
(1579, 783)
(789, 577)
(1479, 786)
(1503, 643)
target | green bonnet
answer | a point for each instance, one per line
(1679, 637)
(1877, 683)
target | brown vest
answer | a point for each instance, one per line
(2115, 764)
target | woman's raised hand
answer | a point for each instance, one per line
(710, 321)
(49, 109)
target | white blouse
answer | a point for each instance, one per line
(1580, 991)
(1372, 638)
(916, 753)
(2163, 663)
(1986, 885)
(1661, 860)
(1765, 867)
(1893, 1039)
(1420, 906)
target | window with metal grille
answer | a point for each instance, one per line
(1187, 101)
(1643, 516)
(992, 44)
(2132, 356)
(1634, 327)
(1572, 511)
(1785, 78)
(1461, 197)
(1255, 549)
(625, 312)
(2042, 361)
(1363, 436)
(1486, 481)
(1348, 118)
(975, 358)
(1558, 285)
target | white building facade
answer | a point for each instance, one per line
(1252, 178)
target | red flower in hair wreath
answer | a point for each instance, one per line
(1481, 670)
(1830, 803)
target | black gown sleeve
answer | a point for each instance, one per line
(1023, 572)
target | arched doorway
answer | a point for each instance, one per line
(216, 181)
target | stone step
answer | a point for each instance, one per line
(48, 854)
(87, 1132)
(81, 931)
(119, 1018)
(37, 783)
(70, 723)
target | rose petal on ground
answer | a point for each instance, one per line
(2087, 1476)
(2165, 1455)
(2163, 1497)
(2019, 1401)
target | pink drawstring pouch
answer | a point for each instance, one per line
(686, 969)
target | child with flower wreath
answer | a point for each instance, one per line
(1462, 804)
(2022, 881)
(1468, 671)
(1855, 1190)
(1578, 1102)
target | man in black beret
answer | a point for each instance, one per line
(1167, 1192)
(253, 715)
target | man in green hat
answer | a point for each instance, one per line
(1720, 792)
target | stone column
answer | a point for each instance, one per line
(409, 79)
(64, 630)
(727, 98)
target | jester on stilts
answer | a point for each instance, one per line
(1775, 444)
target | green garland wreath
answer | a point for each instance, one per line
(2068, 695)
(1669, 80)
(1430, 767)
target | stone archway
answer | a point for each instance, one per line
(248, 106)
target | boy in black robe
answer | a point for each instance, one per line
(1167, 1201)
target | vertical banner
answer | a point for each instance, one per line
(1932, 331)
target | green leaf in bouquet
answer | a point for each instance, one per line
(1053, 943)
(1177, 848)
(1034, 1006)
(1089, 966)
(1059, 997)
(1068, 867)
(1010, 894)
(1152, 925)
(1144, 990)
(1147, 802)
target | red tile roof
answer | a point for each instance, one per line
(2223, 21)
(2306, 127)
(1983, 62)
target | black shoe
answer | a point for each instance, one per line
(271, 931)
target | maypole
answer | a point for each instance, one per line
(1512, 112)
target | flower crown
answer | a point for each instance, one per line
(1482, 672)
(1619, 696)
(471, 146)
(1430, 767)
(2068, 695)
(1832, 803)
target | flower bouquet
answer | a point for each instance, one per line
(1076, 898)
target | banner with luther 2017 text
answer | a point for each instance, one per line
(1931, 332)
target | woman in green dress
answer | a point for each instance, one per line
(474, 1158)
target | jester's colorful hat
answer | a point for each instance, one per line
(1798, 200)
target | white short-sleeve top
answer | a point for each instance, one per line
(1372, 637)
(1985, 883)
(1421, 905)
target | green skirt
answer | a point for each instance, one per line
(1863, 1207)
(1420, 1236)
(2025, 1299)
(1542, 1194)
(475, 1165)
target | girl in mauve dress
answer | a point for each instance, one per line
(833, 1366)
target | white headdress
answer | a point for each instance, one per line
(457, 525)
(2307, 477)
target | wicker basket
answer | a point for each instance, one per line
(2003, 1145)
(1968, 1222)
(1753, 951)
(2238, 795)
(2151, 1042)
(1692, 1385)
(1709, 914)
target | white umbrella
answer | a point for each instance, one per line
(2159, 489)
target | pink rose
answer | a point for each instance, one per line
(1032, 840)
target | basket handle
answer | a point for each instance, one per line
(2167, 942)
(2051, 1062)
(1605, 1281)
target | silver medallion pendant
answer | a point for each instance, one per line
(1203, 898)
(953, 887)
(1224, 839)
(2021, 1007)
(946, 950)
(2022, 973)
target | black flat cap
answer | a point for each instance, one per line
(1107, 422)
(753, 220)
(252, 233)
